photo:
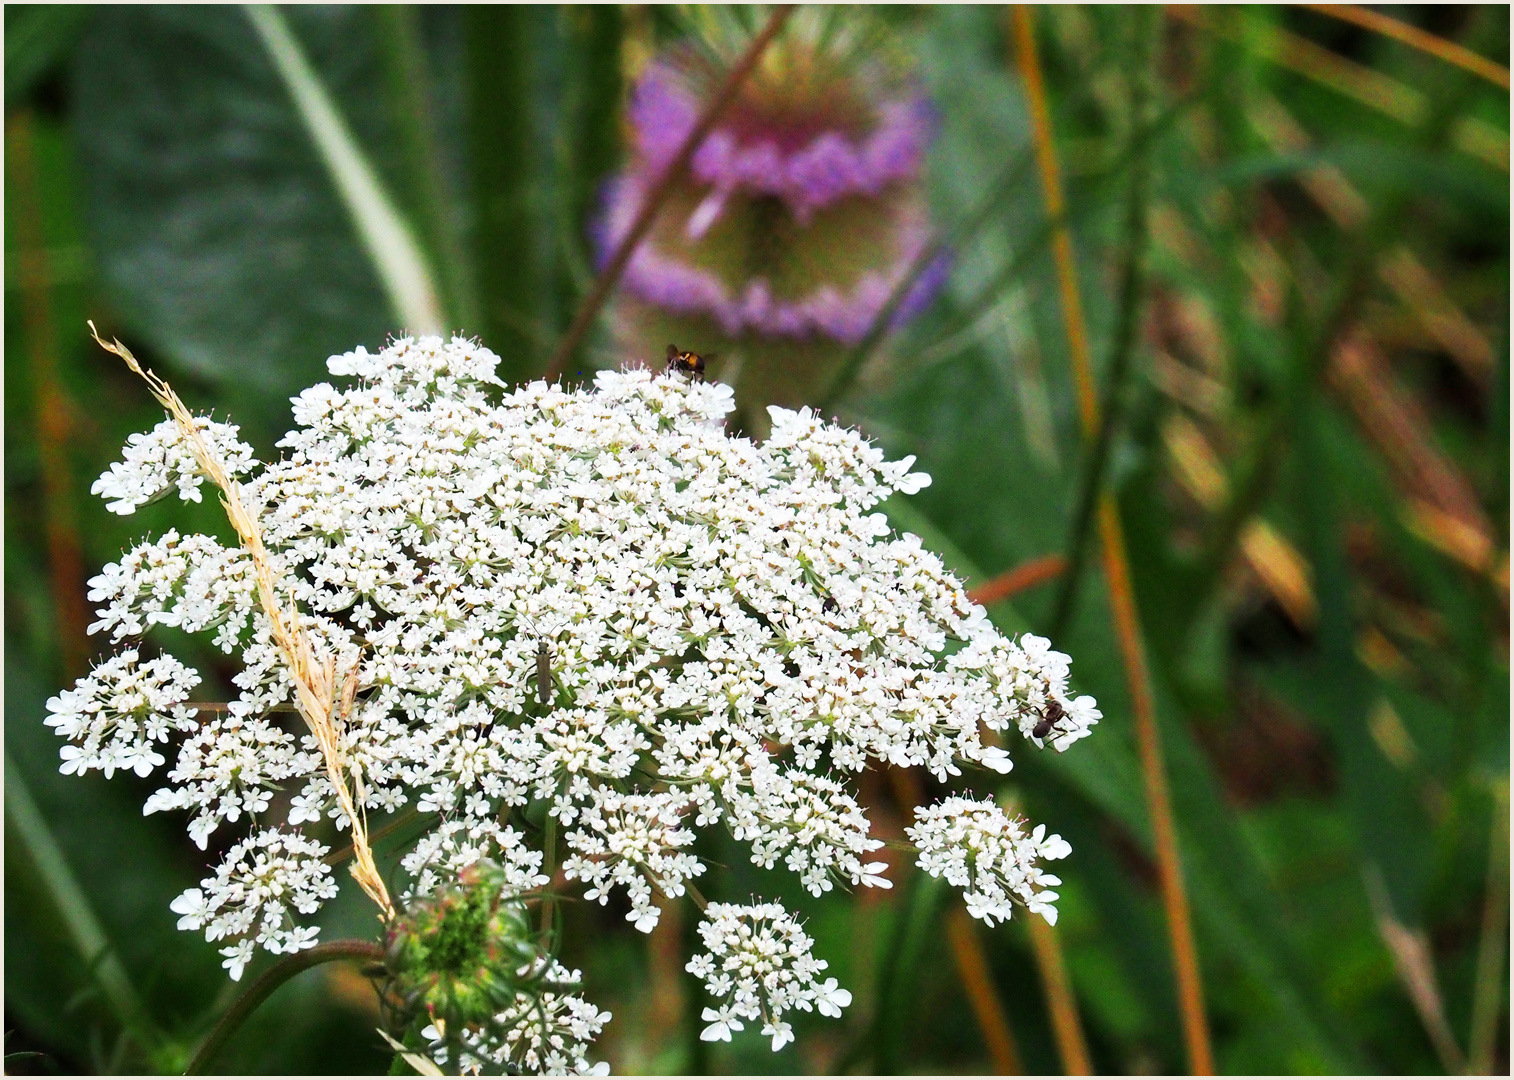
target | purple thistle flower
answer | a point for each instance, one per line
(807, 171)
(799, 217)
(842, 314)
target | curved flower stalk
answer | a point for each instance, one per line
(797, 218)
(578, 627)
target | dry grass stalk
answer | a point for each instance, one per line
(1127, 622)
(1415, 38)
(977, 980)
(1396, 425)
(1470, 135)
(323, 702)
(1415, 965)
(1275, 561)
(1420, 292)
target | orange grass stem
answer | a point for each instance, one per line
(659, 192)
(978, 982)
(1127, 624)
(1066, 1025)
(64, 551)
(1412, 36)
(1027, 575)
(1056, 211)
(1117, 571)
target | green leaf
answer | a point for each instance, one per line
(219, 232)
(37, 37)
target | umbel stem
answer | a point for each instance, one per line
(266, 983)
(323, 703)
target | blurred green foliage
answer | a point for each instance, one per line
(1336, 765)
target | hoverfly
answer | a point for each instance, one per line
(687, 362)
(1049, 718)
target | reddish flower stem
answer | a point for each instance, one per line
(659, 192)
(1027, 575)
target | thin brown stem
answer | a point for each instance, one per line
(1412, 36)
(667, 1004)
(982, 995)
(64, 552)
(1027, 575)
(1185, 958)
(1056, 211)
(658, 193)
(1117, 571)
(1066, 1024)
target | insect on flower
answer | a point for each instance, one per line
(544, 672)
(1048, 722)
(688, 363)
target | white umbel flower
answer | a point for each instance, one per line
(759, 966)
(592, 597)
(986, 853)
(547, 1033)
(117, 715)
(251, 895)
(159, 460)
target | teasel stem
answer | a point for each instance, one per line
(54, 410)
(265, 984)
(1117, 571)
(1066, 1025)
(323, 702)
(659, 192)
(978, 983)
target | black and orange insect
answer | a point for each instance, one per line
(1049, 717)
(687, 362)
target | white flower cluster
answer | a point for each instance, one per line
(547, 1033)
(190, 582)
(161, 459)
(595, 598)
(1036, 676)
(634, 841)
(454, 845)
(249, 898)
(115, 716)
(760, 966)
(980, 849)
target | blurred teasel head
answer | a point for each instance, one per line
(800, 214)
